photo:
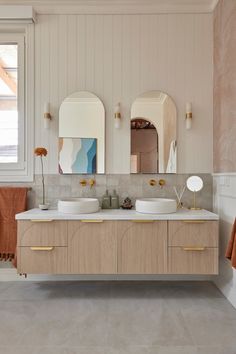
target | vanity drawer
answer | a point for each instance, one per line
(189, 233)
(192, 260)
(42, 233)
(42, 260)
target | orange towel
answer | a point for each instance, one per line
(231, 249)
(12, 201)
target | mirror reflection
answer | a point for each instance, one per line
(82, 134)
(153, 134)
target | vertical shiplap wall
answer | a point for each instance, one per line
(118, 57)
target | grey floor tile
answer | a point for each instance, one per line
(131, 350)
(16, 317)
(18, 350)
(145, 322)
(73, 350)
(4, 286)
(55, 350)
(216, 350)
(211, 327)
(173, 350)
(68, 322)
(26, 290)
(115, 318)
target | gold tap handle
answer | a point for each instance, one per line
(92, 221)
(41, 248)
(194, 248)
(194, 221)
(143, 221)
(41, 220)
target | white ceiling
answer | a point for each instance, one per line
(117, 6)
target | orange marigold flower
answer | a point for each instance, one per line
(40, 151)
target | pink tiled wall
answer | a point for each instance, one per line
(225, 86)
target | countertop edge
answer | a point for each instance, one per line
(36, 214)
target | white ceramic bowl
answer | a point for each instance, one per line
(156, 205)
(78, 205)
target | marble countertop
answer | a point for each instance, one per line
(117, 214)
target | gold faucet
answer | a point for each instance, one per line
(162, 182)
(153, 182)
(92, 182)
(83, 182)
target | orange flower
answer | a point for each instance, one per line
(40, 151)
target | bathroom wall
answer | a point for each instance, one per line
(133, 186)
(225, 86)
(225, 135)
(118, 57)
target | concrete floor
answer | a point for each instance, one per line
(115, 318)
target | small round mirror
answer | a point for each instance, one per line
(194, 183)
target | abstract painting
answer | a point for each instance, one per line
(77, 155)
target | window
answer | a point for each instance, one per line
(16, 131)
(11, 103)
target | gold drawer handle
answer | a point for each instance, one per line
(194, 248)
(147, 221)
(41, 220)
(194, 221)
(41, 248)
(93, 220)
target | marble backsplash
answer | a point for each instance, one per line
(133, 186)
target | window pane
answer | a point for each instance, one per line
(8, 104)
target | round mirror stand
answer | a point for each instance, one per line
(194, 184)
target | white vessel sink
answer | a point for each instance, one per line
(156, 205)
(78, 205)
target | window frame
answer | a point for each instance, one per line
(23, 35)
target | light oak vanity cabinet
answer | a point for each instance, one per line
(142, 247)
(42, 247)
(193, 247)
(92, 247)
(117, 247)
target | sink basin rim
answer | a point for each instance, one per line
(78, 205)
(156, 205)
(77, 200)
(156, 199)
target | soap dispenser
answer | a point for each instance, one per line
(106, 201)
(114, 200)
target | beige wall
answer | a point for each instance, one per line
(225, 86)
(118, 57)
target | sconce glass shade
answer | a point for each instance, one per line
(46, 123)
(188, 123)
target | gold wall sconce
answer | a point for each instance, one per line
(117, 116)
(188, 116)
(47, 115)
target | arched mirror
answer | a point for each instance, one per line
(82, 134)
(153, 134)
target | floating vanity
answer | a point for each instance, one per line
(117, 242)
